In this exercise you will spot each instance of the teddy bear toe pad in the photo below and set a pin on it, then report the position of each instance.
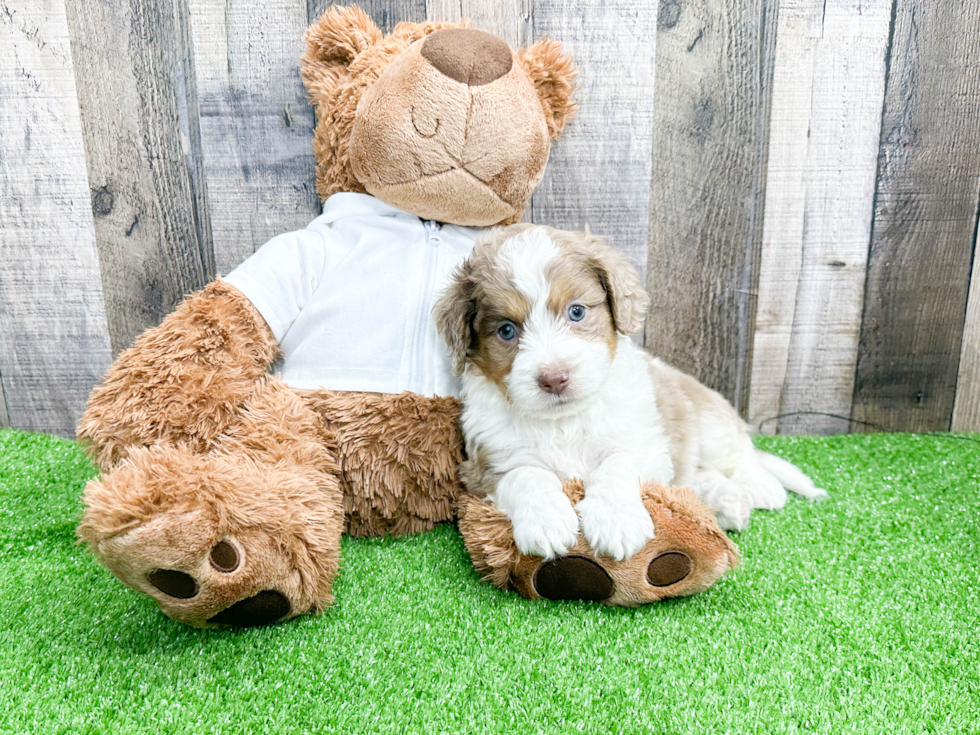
(669, 568)
(265, 607)
(573, 578)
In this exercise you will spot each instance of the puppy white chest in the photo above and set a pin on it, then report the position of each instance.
(621, 419)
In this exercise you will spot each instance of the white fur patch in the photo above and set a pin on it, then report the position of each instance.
(524, 258)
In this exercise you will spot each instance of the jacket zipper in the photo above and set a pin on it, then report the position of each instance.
(432, 241)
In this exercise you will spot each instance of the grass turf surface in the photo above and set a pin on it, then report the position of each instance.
(858, 614)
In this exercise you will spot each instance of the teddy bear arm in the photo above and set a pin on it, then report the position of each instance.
(183, 381)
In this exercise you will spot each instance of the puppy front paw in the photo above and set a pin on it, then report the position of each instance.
(614, 526)
(546, 529)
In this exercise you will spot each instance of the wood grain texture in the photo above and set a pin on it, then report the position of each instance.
(826, 124)
(132, 92)
(4, 416)
(506, 19)
(54, 341)
(966, 409)
(925, 220)
(256, 125)
(709, 138)
(386, 13)
(599, 171)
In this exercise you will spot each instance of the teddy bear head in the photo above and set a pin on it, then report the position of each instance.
(440, 120)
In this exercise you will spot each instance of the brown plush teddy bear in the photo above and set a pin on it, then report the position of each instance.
(225, 489)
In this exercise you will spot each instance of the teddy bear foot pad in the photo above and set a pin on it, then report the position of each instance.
(580, 578)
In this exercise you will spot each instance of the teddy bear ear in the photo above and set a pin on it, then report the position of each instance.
(553, 74)
(332, 43)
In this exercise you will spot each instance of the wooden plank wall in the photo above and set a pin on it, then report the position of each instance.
(798, 180)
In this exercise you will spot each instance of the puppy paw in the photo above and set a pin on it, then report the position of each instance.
(761, 489)
(731, 504)
(546, 529)
(733, 516)
(613, 526)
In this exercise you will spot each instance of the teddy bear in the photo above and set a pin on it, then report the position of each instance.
(306, 394)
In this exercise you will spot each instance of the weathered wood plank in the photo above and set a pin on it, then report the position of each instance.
(134, 117)
(599, 172)
(256, 124)
(385, 13)
(966, 409)
(4, 416)
(709, 137)
(506, 19)
(54, 341)
(820, 202)
(925, 218)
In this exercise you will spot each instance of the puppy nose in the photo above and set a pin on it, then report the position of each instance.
(467, 55)
(553, 381)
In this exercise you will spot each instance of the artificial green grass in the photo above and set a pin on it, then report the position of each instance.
(858, 614)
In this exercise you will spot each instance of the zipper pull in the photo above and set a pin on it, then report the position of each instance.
(431, 232)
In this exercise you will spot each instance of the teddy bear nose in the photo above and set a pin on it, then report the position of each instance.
(467, 55)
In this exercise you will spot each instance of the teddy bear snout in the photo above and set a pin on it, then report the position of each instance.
(468, 55)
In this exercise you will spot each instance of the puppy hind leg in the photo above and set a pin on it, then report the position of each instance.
(762, 489)
(729, 501)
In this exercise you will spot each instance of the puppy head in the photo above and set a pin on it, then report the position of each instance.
(537, 312)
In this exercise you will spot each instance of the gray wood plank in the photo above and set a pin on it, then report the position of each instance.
(54, 341)
(506, 19)
(966, 408)
(709, 141)
(132, 92)
(385, 13)
(599, 171)
(256, 124)
(4, 416)
(925, 218)
(826, 122)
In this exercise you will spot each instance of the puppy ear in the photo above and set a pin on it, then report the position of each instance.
(332, 43)
(627, 298)
(553, 75)
(453, 315)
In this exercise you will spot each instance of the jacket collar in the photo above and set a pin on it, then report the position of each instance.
(352, 204)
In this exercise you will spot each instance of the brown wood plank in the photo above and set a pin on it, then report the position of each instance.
(709, 140)
(599, 171)
(54, 341)
(256, 124)
(925, 218)
(154, 246)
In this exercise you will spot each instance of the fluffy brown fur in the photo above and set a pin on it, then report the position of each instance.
(268, 486)
(684, 526)
(182, 382)
(398, 457)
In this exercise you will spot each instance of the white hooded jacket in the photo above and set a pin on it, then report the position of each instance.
(349, 298)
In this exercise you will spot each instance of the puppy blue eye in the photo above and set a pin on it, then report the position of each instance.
(576, 312)
(507, 331)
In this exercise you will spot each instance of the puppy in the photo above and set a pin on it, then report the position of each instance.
(537, 322)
